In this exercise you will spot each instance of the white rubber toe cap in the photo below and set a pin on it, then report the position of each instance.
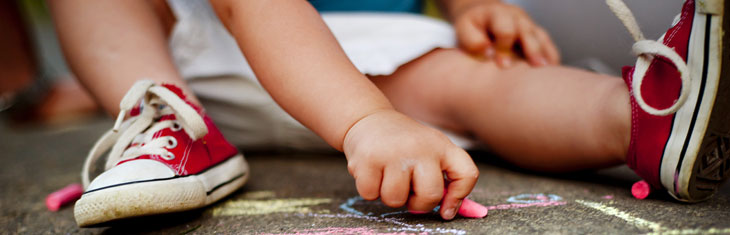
(131, 171)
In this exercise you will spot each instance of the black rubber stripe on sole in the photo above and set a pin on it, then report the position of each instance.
(161, 179)
(224, 183)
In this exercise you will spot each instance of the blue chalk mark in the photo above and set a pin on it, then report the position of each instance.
(436, 210)
(347, 206)
(534, 198)
(393, 213)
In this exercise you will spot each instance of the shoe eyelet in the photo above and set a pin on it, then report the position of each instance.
(171, 143)
(176, 127)
(168, 156)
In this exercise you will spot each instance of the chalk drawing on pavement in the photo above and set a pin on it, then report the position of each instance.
(268, 206)
(654, 227)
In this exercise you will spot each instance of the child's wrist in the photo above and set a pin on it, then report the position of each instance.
(353, 133)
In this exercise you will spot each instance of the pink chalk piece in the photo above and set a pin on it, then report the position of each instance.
(609, 197)
(641, 189)
(66, 195)
(472, 209)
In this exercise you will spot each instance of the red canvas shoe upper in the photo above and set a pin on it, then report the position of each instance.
(164, 128)
(660, 89)
(190, 156)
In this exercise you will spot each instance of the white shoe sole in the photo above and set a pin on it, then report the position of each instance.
(160, 196)
(695, 161)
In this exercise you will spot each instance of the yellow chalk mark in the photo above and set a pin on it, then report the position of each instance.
(258, 194)
(656, 228)
(636, 221)
(695, 231)
(260, 207)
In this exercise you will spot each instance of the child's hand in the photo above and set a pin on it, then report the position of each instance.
(393, 157)
(492, 28)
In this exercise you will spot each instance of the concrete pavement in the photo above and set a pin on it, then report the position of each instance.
(313, 194)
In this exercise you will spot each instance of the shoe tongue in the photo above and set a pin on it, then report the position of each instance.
(175, 90)
(179, 93)
(135, 111)
(167, 117)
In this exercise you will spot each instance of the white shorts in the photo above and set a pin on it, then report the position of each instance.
(209, 58)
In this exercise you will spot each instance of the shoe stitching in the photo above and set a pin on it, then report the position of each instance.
(634, 122)
(184, 162)
(676, 28)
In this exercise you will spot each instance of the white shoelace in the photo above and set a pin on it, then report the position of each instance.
(646, 50)
(156, 101)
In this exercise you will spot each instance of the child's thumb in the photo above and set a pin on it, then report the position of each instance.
(462, 175)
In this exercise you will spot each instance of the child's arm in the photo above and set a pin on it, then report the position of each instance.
(492, 27)
(301, 65)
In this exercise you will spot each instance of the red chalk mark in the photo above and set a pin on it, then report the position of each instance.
(472, 209)
(68, 194)
(641, 189)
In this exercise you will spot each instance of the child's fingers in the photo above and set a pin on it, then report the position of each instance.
(428, 188)
(367, 182)
(549, 49)
(472, 35)
(396, 185)
(462, 174)
(503, 27)
(531, 47)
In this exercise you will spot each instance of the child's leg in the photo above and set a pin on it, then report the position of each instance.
(548, 118)
(110, 46)
(126, 37)
(553, 118)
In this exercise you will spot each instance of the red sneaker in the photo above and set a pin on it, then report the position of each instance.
(167, 157)
(680, 132)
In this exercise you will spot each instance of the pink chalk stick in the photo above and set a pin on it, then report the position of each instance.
(469, 209)
(641, 189)
(64, 196)
(472, 209)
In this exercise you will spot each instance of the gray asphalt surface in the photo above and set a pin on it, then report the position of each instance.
(313, 194)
